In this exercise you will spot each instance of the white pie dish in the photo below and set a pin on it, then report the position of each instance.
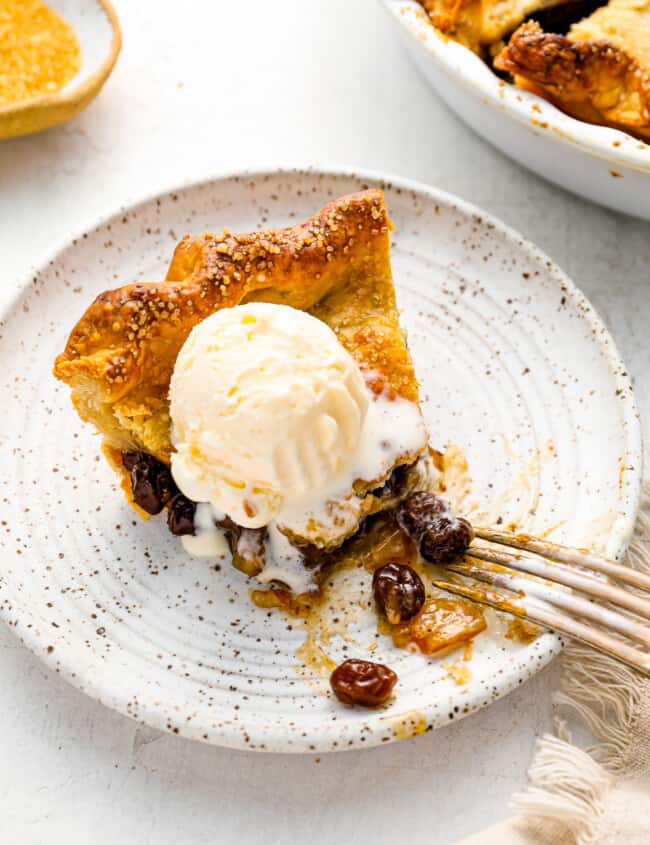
(601, 164)
(115, 606)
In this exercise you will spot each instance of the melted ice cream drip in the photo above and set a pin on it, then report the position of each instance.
(392, 428)
(208, 540)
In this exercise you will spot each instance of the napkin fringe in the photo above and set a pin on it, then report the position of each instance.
(606, 698)
(604, 695)
(569, 785)
(566, 786)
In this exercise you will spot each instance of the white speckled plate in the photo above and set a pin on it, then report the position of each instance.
(516, 369)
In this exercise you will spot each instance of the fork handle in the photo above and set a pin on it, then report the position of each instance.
(565, 554)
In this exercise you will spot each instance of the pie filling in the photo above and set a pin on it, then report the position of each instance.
(590, 58)
(267, 553)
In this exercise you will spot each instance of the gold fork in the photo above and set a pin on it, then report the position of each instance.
(571, 591)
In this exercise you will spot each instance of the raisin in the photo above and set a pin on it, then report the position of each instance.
(180, 519)
(418, 511)
(398, 591)
(151, 481)
(143, 486)
(446, 542)
(165, 485)
(129, 459)
(362, 682)
(440, 534)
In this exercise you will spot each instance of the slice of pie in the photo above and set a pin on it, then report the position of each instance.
(120, 357)
(599, 72)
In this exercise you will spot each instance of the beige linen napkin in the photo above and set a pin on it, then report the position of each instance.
(599, 795)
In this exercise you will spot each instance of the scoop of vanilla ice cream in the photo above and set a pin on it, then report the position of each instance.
(266, 406)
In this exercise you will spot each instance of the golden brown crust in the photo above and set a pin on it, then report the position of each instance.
(120, 355)
(591, 80)
(478, 23)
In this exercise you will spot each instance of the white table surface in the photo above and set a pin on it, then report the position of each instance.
(212, 85)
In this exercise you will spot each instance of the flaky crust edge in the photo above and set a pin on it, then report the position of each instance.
(580, 77)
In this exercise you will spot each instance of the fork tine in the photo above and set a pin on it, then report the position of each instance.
(535, 611)
(565, 554)
(556, 596)
(565, 575)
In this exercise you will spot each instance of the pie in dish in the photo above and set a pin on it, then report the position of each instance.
(599, 72)
(590, 59)
(264, 394)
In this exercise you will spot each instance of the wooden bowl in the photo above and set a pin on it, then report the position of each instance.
(97, 28)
